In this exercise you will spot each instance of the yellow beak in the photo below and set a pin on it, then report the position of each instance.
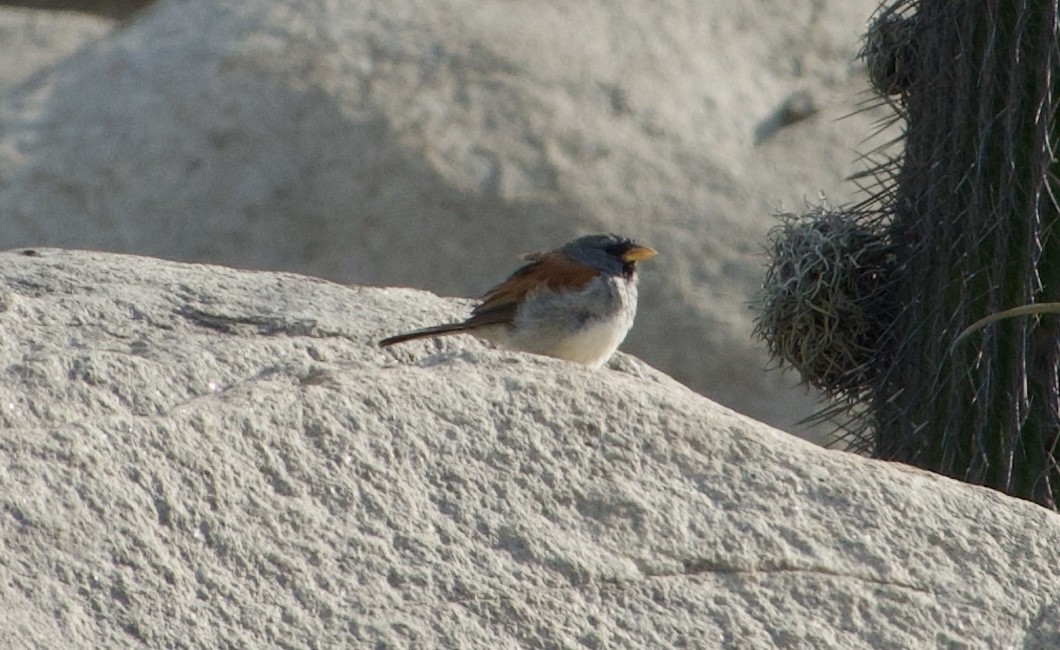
(637, 253)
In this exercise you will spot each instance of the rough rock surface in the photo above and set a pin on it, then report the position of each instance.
(193, 456)
(424, 144)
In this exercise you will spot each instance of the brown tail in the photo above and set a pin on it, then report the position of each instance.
(437, 330)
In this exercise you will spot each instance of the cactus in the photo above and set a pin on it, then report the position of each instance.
(824, 301)
(971, 215)
(975, 227)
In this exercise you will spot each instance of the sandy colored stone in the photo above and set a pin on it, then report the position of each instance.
(419, 144)
(32, 41)
(194, 456)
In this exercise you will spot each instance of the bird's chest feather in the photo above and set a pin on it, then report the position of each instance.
(586, 326)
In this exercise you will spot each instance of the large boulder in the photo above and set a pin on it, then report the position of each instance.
(194, 456)
(406, 143)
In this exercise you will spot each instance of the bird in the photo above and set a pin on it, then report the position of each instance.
(576, 302)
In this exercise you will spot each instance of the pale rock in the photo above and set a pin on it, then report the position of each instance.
(427, 144)
(194, 456)
(31, 41)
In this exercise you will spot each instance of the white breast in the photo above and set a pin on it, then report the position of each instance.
(585, 326)
(593, 344)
